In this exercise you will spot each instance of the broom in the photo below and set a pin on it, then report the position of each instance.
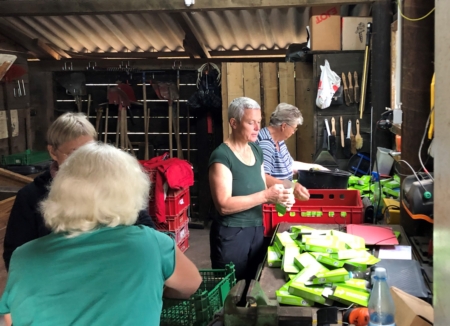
(358, 138)
(352, 140)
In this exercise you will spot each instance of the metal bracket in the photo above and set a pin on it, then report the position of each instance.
(175, 65)
(68, 67)
(94, 65)
(20, 90)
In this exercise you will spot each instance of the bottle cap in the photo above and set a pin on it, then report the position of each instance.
(380, 272)
(375, 176)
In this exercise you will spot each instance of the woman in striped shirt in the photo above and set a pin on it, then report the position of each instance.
(278, 163)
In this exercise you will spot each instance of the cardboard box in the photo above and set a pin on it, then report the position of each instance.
(325, 28)
(354, 30)
(411, 311)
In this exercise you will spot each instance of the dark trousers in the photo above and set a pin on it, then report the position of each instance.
(244, 246)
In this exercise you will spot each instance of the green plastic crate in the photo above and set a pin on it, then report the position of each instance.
(200, 308)
(28, 157)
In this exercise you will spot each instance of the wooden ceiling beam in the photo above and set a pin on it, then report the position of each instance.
(175, 55)
(10, 8)
(193, 36)
(24, 41)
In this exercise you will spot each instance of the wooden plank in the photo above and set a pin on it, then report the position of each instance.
(252, 81)
(8, 178)
(305, 101)
(270, 87)
(224, 91)
(95, 7)
(287, 95)
(235, 84)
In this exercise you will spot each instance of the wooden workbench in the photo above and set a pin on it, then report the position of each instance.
(271, 279)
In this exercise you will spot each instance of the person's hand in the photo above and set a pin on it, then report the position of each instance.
(278, 194)
(300, 192)
(318, 167)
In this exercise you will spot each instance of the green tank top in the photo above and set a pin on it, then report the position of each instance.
(247, 180)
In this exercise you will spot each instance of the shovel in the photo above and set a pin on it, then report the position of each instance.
(323, 156)
(332, 137)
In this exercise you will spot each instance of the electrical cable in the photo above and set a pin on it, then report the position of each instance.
(415, 174)
(393, 237)
(421, 144)
(386, 210)
(413, 19)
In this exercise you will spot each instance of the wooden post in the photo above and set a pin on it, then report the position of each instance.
(287, 95)
(270, 87)
(304, 100)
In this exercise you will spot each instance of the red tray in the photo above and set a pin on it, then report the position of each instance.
(179, 234)
(176, 201)
(184, 244)
(325, 206)
(173, 223)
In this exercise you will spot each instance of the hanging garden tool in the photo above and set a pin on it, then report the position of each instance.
(352, 140)
(348, 140)
(75, 85)
(342, 132)
(346, 95)
(323, 156)
(146, 115)
(351, 95)
(365, 72)
(118, 97)
(176, 123)
(333, 145)
(169, 92)
(327, 127)
(356, 87)
(358, 138)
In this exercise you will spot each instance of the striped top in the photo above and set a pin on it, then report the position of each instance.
(278, 164)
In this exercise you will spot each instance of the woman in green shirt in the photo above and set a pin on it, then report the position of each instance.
(96, 267)
(238, 188)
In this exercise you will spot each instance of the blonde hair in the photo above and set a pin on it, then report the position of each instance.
(238, 105)
(67, 127)
(286, 113)
(98, 185)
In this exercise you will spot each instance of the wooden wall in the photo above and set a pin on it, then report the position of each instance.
(268, 83)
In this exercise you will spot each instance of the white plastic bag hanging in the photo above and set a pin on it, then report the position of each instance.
(328, 85)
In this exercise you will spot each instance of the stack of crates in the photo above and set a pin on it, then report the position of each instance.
(176, 206)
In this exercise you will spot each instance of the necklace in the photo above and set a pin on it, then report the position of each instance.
(244, 156)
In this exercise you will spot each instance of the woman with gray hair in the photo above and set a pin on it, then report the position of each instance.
(66, 134)
(278, 163)
(96, 268)
(238, 188)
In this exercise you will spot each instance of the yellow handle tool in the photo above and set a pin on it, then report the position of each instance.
(431, 128)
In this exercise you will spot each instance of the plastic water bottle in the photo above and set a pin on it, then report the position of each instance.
(381, 305)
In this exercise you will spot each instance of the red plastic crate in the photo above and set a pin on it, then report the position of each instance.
(173, 223)
(179, 234)
(325, 206)
(176, 201)
(184, 244)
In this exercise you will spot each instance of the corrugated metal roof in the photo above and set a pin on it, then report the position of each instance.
(228, 30)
